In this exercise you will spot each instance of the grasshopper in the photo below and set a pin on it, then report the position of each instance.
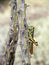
(31, 38)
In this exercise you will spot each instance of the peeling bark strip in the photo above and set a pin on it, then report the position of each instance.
(13, 36)
(23, 28)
